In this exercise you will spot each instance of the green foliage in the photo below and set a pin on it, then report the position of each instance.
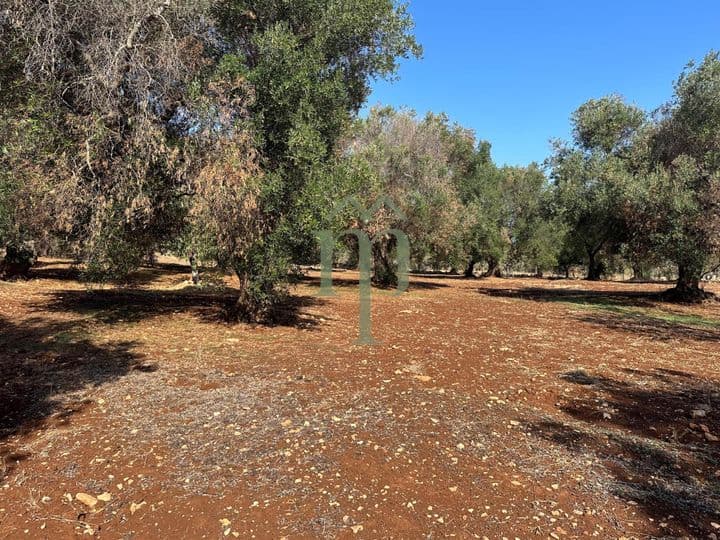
(113, 255)
(19, 258)
(395, 155)
(479, 185)
(6, 207)
(231, 130)
(31, 144)
(536, 236)
(676, 207)
(591, 178)
(458, 205)
(672, 218)
(149, 107)
(309, 63)
(607, 124)
(650, 191)
(509, 215)
(642, 315)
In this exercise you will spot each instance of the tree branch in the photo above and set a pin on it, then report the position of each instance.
(130, 41)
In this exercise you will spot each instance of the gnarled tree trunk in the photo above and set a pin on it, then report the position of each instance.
(595, 267)
(244, 307)
(687, 280)
(494, 269)
(640, 273)
(687, 287)
(384, 270)
(470, 270)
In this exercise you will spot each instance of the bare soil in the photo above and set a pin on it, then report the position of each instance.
(491, 408)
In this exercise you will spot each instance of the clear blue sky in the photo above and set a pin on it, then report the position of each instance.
(515, 70)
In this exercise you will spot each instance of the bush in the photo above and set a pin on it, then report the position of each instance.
(19, 259)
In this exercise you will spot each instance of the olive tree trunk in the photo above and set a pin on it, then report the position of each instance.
(595, 267)
(687, 288)
(494, 269)
(470, 270)
(384, 267)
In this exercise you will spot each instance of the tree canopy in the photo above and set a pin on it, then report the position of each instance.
(230, 129)
(141, 93)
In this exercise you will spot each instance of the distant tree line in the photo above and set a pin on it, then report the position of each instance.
(229, 129)
(631, 189)
(458, 207)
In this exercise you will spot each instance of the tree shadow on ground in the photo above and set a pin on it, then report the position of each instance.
(577, 296)
(653, 328)
(66, 271)
(643, 431)
(352, 282)
(112, 306)
(635, 312)
(42, 363)
(58, 271)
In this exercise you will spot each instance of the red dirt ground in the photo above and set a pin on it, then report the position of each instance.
(492, 408)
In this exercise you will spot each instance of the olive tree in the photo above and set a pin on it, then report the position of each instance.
(590, 176)
(676, 206)
(406, 160)
(132, 83)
